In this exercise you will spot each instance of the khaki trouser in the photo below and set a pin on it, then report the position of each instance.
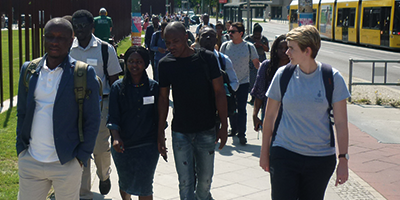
(36, 178)
(101, 155)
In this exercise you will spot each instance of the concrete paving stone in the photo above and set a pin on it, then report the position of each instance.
(262, 183)
(239, 189)
(374, 166)
(233, 177)
(263, 194)
(164, 192)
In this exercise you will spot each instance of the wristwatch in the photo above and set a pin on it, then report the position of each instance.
(344, 156)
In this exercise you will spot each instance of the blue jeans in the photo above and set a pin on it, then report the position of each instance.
(239, 119)
(194, 159)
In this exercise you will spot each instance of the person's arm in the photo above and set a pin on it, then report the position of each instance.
(113, 119)
(268, 127)
(342, 137)
(220, 102)
(234, 82)
(153, 46)
(256, 63)
(265, 46)
(21, 108)
(147, 37)
(256, 108)
(254, 56)
(163, 103)
(113, 66)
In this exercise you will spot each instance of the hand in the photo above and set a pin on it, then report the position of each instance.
(257, 123)
(222, 135)
(258, 43)
(118, 145)
(342, 172)
(162, 149)
(264, 162)
(161, 50)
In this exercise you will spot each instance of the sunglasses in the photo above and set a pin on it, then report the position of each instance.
(81, 25)
(233, 31)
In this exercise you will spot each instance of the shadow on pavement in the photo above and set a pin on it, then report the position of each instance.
(233, 145)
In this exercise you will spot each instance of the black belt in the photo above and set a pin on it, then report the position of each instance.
(105, 96)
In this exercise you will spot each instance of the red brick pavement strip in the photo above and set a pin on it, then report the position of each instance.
(376, 163)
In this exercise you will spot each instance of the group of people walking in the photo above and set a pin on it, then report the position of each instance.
(59, 128)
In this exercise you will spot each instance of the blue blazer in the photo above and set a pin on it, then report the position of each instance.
(65, 113)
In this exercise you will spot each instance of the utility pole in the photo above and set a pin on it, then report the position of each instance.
(248, 18)
(305, 12)
(136, 35)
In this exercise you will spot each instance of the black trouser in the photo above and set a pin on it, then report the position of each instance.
(298, 177)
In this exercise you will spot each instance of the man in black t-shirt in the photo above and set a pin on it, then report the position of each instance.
(198, 92)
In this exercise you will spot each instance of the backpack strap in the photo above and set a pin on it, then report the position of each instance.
(80, 92)
(327, 76)
(104, 53)
(29, 71)
(248, 47)
(284, 82)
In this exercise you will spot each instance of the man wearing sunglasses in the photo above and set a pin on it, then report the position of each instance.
(241, 53)
(88, 48)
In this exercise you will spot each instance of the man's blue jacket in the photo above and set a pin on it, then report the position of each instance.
(65, 113)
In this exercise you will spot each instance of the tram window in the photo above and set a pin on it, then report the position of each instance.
(375, 19)
(371, 18)
(396, 25)
(293, 16)
(366, 18)
(352, 17)
(340, 18)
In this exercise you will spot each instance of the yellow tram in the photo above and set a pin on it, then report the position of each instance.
(365, 22)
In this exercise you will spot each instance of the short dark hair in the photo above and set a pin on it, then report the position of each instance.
(239, 26)
(257, 28)
(164, 24)
(83, 13)
(60, 21)
(219, 24)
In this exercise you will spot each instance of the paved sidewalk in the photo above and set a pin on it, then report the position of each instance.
(237, 174)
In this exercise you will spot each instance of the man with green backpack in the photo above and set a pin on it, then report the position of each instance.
(58, 118)
(102, 56)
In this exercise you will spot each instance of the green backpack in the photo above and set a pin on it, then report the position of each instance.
(79, 87)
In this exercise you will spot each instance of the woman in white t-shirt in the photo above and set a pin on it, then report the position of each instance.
(301, 155)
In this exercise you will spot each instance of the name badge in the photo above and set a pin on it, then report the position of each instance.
(148, 100)
(92, 62)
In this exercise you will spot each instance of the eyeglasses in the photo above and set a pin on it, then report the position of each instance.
(50, 38)
(81, 25)
(233, 31)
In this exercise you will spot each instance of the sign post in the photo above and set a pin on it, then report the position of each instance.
(305, 12)
(136, 30)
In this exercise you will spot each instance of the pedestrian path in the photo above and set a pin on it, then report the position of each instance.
(237, 174)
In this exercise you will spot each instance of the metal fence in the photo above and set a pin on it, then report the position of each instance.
(32, 15)
(374, 69)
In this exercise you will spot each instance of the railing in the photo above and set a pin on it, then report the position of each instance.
(32, 15)
(373, 62)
